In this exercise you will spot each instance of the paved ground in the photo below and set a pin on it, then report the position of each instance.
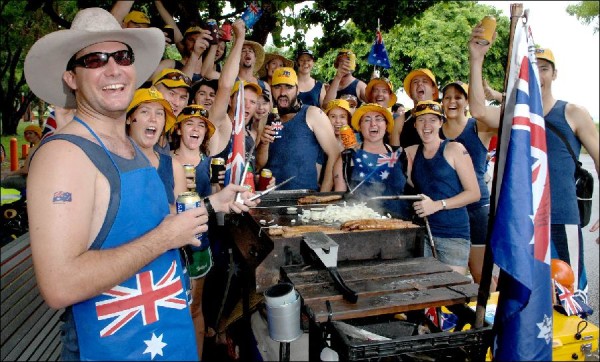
(590, 246)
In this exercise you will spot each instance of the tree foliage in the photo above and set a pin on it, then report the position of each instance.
(586, 12)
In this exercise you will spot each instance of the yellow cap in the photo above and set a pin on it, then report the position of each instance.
(460, 85)
(372, 107)
(137, 17)
(428, 107)
(33, 128)
(252, 85)
(284, 75)
(197, 111)
(192, 30)
(148, 95)
(546, 54)
(172, 78)
(387, 83)
(341, 103)
(425, 72)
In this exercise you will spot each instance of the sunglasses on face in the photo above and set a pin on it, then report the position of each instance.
(100, 59)
(433, 107)
(176, 76)
(193, 111)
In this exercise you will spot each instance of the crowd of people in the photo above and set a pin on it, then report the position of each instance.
(101, 226)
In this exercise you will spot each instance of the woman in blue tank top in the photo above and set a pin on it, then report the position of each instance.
(148, 116)
(443, 173)
(475, 136)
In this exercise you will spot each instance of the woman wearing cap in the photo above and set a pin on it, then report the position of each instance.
(311, 91)
(381, 91)
(475, 136)
(17, 179)
(442, 172)
(149, 115)
(194, 129)
(374, 163)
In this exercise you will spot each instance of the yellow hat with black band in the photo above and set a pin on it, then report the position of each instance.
(172, 78)
(197, 111)
(149, 95)
(372, 107)
(428, 107)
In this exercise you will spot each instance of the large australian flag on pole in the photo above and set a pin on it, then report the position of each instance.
(378, 55)
(521, 235)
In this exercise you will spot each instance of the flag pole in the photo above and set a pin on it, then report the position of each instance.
(516, 14)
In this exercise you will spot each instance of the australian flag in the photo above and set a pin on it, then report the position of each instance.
(521, 234)
(251, 15)
(571, 303)
(378, 55)
(234, 168)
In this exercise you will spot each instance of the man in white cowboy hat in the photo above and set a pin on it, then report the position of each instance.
(305, 135)
(104, 245)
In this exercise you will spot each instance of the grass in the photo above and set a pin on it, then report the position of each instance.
(18, 136)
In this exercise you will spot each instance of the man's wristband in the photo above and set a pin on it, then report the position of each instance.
(209, 207)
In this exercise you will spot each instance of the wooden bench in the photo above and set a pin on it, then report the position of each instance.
(30, 329)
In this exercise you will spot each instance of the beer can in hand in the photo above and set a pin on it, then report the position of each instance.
(186, 201)
(263, 179)
(489, 26)
(212, 25)
(348, 137)
(190, 174)
(274, 121)
(352, 58)
(217, 165)
(226, 31)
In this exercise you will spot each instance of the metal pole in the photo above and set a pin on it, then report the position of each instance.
(284, 351)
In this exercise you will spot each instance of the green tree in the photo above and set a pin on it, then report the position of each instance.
(586, 12)
(435, 39)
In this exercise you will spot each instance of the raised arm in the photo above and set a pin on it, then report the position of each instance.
(168, 19)
(342, 69)
(477, 106)
(120, 9)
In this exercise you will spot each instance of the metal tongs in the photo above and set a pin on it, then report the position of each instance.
(263, 193)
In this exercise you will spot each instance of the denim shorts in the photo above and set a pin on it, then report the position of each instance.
(450, 251)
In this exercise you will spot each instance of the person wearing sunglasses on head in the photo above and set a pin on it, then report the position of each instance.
(442, 172)
(475, 136)
(193, 131)
(577, 128)
(101, 232)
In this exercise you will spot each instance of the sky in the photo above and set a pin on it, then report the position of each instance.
(575, 47)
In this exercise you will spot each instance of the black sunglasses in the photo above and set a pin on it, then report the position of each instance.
(433, 107)
(194, 111)
(176, 76)
(100, 59)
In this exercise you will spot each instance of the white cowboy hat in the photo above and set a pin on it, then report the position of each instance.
(48, 57)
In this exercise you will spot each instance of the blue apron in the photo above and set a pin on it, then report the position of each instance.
(146, 317)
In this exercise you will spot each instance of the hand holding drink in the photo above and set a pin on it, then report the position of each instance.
(488, 23)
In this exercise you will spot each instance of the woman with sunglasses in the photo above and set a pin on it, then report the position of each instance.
(442, 172)
(475, 136)
(373, 169)
(193, 130)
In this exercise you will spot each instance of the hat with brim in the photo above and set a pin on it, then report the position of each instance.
(338, 103)
(212, 83)
(152, 95)
(252, 85)
(546, 54)
(47, 59)
(284, 75)
(259, 53)
(464, 87)
(372, 107)
(428, 107)
(270, 56)
(305, 51)
(192, 30)
(385, 82)
(136, 17)
(417, 72)
(176, 78)
(33, 128)
(183, 117)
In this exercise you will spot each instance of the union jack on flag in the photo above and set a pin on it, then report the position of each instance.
(390, 159)
(572, 303)
(520, 239)
(145, 299)
(251, 15)
(448, 320)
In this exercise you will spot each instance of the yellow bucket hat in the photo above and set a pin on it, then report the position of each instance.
(252, 85)
(137, 17)
(341, 103)
(428, 107)
(386, 82)
(425, 72)
(197, 111)
(172, 78)
(33, 128)
(148, 95)
(372, 107)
